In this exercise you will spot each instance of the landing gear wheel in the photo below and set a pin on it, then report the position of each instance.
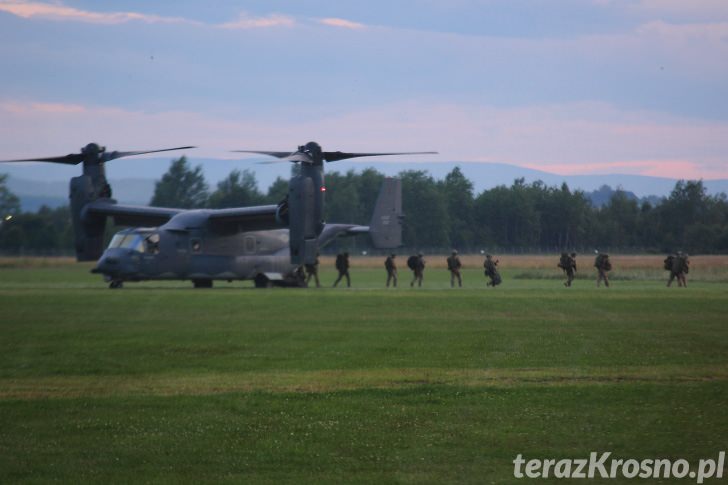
(300, 280)
(116, 284)
(202, 283)
(262, 281)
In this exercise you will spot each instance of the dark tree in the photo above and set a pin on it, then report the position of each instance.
(181, 187)
(618, 222)
(277, 191)
(425, 211)
(507, 216)
(458, 193)
(239, 189)
(342, 198)
(47, 231)
(9, 202)
(369, 183)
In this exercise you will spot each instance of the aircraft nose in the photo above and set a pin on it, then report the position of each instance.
(106, 264)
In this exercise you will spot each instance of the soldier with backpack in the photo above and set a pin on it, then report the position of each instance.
(342, 266)
(391, 266)
(678, 265)
(567, 263)
(454, 265)
(417, 265)
(603, 266)
(491, 271)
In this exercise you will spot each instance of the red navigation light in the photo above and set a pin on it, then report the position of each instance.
(323, 188)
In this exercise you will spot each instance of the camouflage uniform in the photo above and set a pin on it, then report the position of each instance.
(669, 264)
(391, 267)
(603, 266)
(418, 270)
(568, 264)
(678, 265)
(454, 265)
(312, 272)
(685, 268)
(491, 271)
(342, 266)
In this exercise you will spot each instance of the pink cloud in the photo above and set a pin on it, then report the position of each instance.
(60, 12)
(676, 169)
(714, 31)
(578, 138)
(57, 11)
(37, 108)
(706, 8)
(246, 22)
(342, 23)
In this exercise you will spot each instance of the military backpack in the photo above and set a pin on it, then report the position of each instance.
(412, 262)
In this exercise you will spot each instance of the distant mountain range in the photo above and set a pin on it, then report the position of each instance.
(36, 193)
(133, 179)
(603, 195)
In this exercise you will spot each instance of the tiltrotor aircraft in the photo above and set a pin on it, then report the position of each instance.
(267, 244)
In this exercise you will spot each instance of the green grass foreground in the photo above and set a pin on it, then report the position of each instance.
(160, 382)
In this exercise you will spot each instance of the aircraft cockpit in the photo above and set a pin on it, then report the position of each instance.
(139, 240)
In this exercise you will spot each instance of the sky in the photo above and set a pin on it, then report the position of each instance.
(565, 86)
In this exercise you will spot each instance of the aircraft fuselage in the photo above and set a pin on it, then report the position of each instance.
(139, 254)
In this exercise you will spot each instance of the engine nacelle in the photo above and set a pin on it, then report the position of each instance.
(88, 230)
(305, 213)
(282, 218)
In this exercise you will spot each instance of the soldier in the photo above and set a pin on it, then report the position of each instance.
(417, 265)
(491, 271)
(677, 264)
(454, 265)
(603, 266)
(391, 266)
(668, 264)
(685, 268)
(567, 262)
(342, 266)
(312, 272)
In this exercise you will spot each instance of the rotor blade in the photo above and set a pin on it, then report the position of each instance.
(70, 159)
(272, 154)
(299, 157)
(282, 156)
(336, 156)
(114, 155)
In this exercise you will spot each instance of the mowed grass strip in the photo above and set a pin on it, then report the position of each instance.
(345, 380)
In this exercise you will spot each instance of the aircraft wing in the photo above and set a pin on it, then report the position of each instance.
(255, 218)
(130, 215)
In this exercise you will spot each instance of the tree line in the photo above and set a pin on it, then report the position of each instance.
(438, 214)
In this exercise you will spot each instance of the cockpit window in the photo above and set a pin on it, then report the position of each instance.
(117, 240)
(129, 241)
(151, 242)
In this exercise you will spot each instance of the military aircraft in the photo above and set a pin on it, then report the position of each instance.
(267, 244)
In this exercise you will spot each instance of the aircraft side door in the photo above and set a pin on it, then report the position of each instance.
(250, 244)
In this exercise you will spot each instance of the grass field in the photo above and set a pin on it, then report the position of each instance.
(160, 382)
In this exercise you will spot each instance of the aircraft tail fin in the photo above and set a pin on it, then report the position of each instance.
(385, 227)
